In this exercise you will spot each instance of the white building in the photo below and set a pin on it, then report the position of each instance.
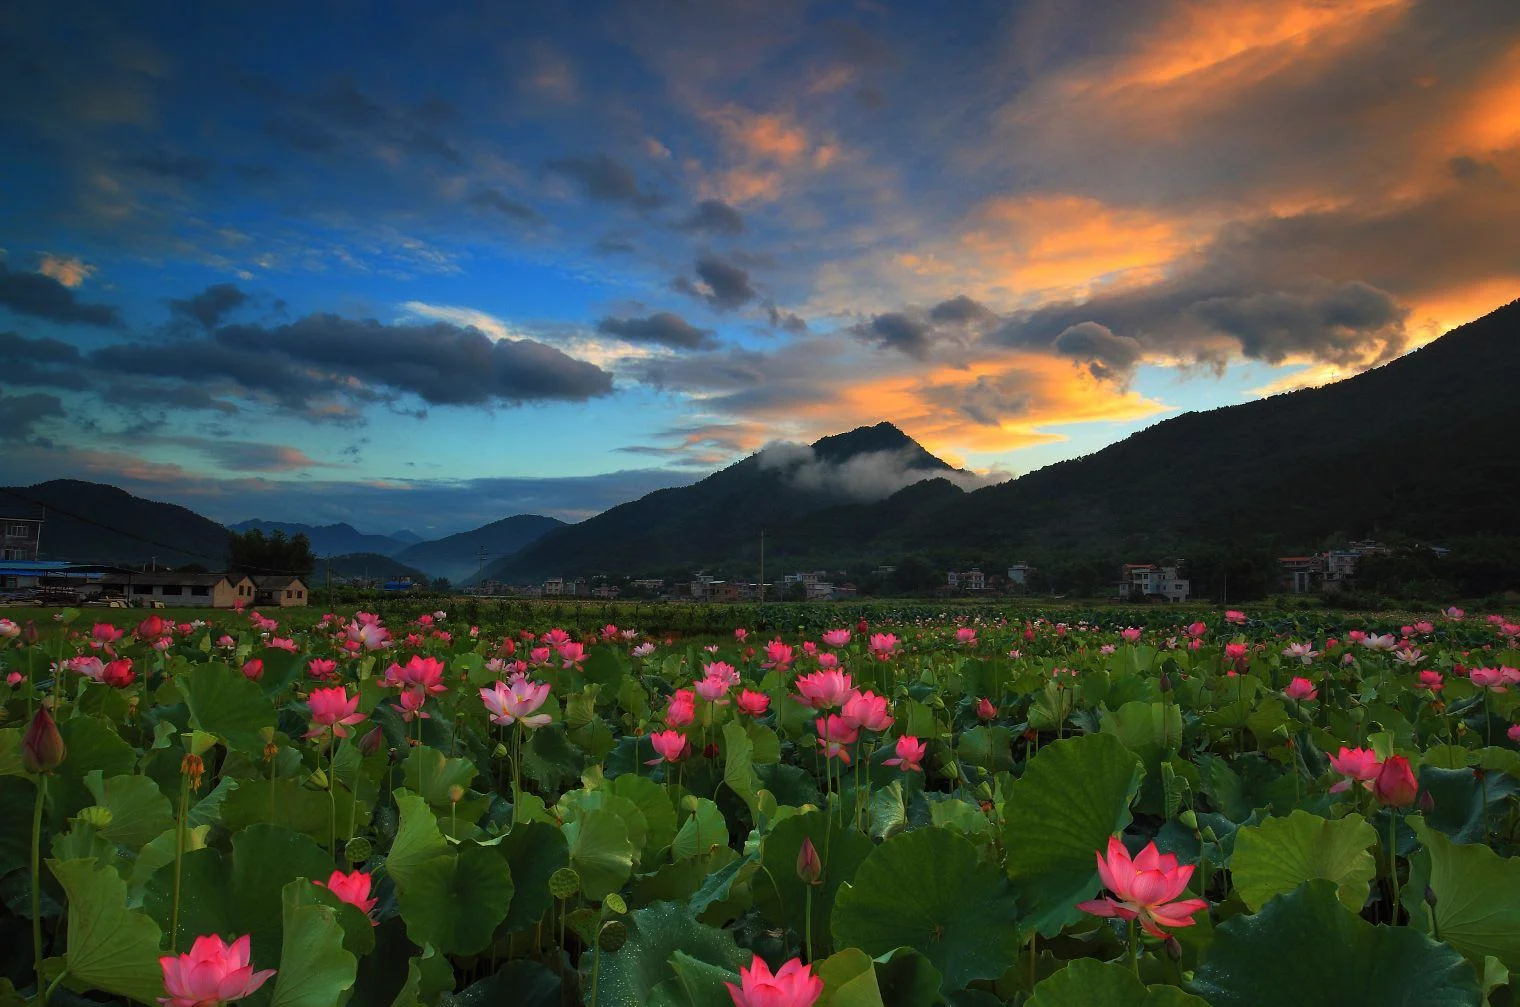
(1144, 580)
(1018, 573)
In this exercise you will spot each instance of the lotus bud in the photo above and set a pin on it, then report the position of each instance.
(1427, 802)
(1173, 948)
(1166, 682)
(42, 747)
(1430, 896)
(370, 743)
(29, 634)
(809, 867)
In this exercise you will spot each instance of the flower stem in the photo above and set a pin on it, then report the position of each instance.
(1134, 947)
(37, 876)
(52, 987)
(179, 858)
(1393, 867)
(332, 797)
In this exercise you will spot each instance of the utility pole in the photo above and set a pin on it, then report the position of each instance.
(762, 566)
(480, 564)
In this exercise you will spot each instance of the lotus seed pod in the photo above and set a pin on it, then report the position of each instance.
(614, 902)
(358, 850)
(1189, 818)
(564, 883)
(613, 936)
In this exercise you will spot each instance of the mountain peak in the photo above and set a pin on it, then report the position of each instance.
(884, 436)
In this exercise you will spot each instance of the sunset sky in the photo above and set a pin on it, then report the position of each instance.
(424, 268)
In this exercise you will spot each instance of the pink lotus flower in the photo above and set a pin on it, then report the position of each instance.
(515, 703)
(882, 646)
(682, 709)
(866, 710)
(555, 637)
(1379, 641)
(1195, 630)
(793, 985)
(368, 633)
(835, 735)
(213, 973)
(985, 710)
(253, 669)
(118, 674)
(333, 708)
(1130, 635)
(1236, 652)
(1357, 765)
(1492, 679)
(152, 628)
(723, 671)
(713, 689)
(9, 629)
(539, 656)
(824, 690)
(352, 888)
(1234, 616)
(1395, 785)
(1145, 888)
(283, 643)
(909, 754)
(778, 655)
(105, 632)
(1455, 614)
(753, 703)
(88, 666)
(571, 654)
(420, 672)
(1431, 680)
(643, 650)
(966, 636)
(672, 746)
(837, 637)
(321, 668)
(741, 634)
(411, 706)
(828, 660)
(1301, 689)
(1304, 653)
(1513, 733)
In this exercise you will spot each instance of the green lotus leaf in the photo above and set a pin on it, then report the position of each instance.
(1087, 982)
(655, 933)
(110, 947)
(701, 832)
(1310, 951)
(1058, 815)
(314, 967)
(225, 703)
(654, 802)
(455, 902)
(139, 810)
(1477, 892)
(1278, 855)
(600, 852)
(266, 858)
(930, 890)
(417, 839)
(520, 982)
(430, 975)
(534, 851)
(780, 894)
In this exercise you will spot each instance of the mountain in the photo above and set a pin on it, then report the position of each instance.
(1418, 448)
(95, 523)
(407, 537)
(459, 557)
(328, 539)
(721, 517)
(369, 565)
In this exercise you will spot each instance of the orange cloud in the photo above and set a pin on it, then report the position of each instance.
(67, 270)
(766, 150)
(772, 136)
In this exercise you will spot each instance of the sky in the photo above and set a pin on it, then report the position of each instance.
(424, 268)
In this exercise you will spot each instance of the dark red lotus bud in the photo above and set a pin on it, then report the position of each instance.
(862, 626)
(1427, 802)
(809, 867)
(42, 747)
(1166, 682)
(29, 634)
(370, 743)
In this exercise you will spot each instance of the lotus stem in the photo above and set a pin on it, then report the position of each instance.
(1134, 947)
(37, 876)
(1393, 866)
(807, 922)
(53, 986)
(179, 858)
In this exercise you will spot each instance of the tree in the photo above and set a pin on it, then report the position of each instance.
(253, 553)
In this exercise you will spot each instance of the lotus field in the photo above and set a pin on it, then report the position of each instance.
(1235, 811)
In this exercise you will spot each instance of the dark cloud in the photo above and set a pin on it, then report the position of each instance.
(318, 361)
(721, 284)
(961, 310)
(175, 167)
(44, 297)
(614, 246)
(211, 305)
(493, 199)
(20, 413)
(898, 331)
(138, 395)
(663, 328)
(785, 320)
(44, 363)
(249, 456)
(606, 179)
(1107, 356)
(714, 217)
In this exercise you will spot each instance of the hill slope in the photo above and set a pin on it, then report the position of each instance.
(96, 523)
(458, 557)
(328, 539)
(720, 517)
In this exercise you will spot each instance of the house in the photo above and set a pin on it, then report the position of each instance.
(181, 590)
(1301, 574)
(1327, 571)
(281, 591)
(20, 531)
(1143, 581)
(1018, 573)
(554, 587)
(967, 580)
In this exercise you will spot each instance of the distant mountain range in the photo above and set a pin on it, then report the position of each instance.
(330, 539)
(1421, 447)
